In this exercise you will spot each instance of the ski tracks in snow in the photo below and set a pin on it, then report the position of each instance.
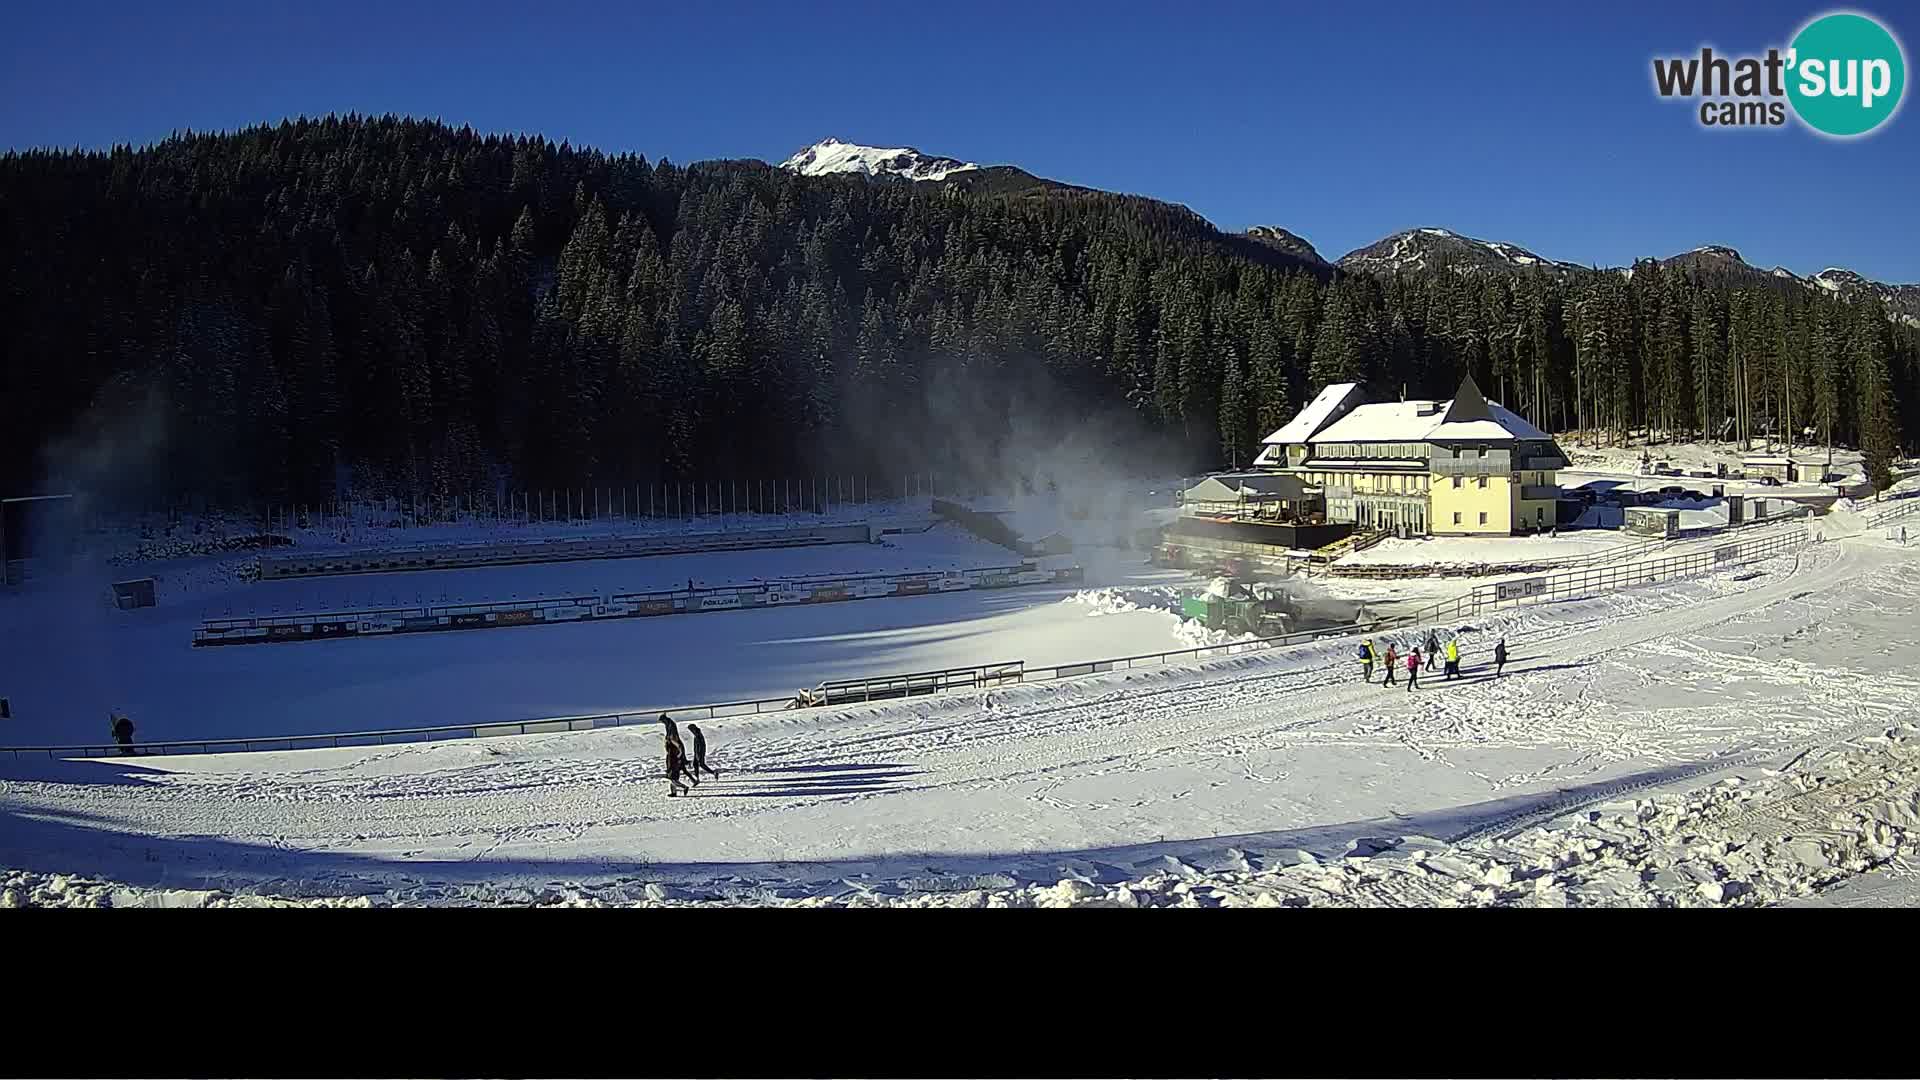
(1695, 675)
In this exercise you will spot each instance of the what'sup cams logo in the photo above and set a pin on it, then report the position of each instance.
(1842, 76)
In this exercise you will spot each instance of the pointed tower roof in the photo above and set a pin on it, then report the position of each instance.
(1468, 404)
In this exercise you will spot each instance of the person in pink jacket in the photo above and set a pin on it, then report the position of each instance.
(1413, 668)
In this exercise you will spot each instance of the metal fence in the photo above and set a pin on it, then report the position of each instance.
(824, 494)
(1907, 507)
(1562, 586)
(1592, 581)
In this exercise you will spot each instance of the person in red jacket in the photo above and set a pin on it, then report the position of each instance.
(1413, 668)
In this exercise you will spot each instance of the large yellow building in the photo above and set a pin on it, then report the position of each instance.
(1420, 468)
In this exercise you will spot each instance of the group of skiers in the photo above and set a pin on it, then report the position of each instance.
(1435, 652)
(678, 764)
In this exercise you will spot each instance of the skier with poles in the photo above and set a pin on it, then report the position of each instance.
(700, 755)
(1389, 661)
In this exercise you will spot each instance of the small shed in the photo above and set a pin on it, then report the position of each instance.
(1784, 469)
(137, 593)
(1237, 492)
(1651, 521)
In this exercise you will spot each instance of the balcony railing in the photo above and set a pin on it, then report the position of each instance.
(1491, 465)
(1540, 491)
(1543, 464)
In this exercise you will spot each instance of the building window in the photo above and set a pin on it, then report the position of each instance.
(1483, 517)
(1456, 481)
(1539, 513)
(1456, 517)
(1480, 481)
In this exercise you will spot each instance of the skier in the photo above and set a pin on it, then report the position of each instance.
(1453, 658)
(1413, 668)
(122, 728)
(700, 755)
(1389, 659)
(1499, 657)
(676, 758)
(1366, 660)
(1903, 536)
(1433, 649)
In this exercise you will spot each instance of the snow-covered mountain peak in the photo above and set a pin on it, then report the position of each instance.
(1287, 242)
(834, 156)
(1417, 249)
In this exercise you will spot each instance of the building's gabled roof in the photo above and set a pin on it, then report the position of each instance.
(1468, 404)
(1388, 421)
(1469, 417)
(1232, 487)
(1325, 407)
(1501, 423)
(1268, 485)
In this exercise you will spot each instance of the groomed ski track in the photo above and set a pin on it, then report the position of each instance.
(1654, 688)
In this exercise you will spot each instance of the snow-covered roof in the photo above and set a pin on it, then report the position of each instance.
(1422, 421)
(1232, 487)
(1504, 424)
(1312, 418)
(1388, 421)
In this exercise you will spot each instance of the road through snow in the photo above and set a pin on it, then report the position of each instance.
(1269, 752)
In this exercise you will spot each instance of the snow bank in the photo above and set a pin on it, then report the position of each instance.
(1164, 602)
(1826, 819)
(1485, 550)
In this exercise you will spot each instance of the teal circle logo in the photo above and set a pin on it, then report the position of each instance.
(1845, 74)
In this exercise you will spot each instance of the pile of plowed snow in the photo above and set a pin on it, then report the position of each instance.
(1163, 599)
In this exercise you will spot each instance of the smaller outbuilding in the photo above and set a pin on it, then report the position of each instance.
(1784, 469)
(1251, 494)
(1651, 521)
(137, 593)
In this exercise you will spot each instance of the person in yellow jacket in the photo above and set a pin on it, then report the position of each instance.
(1366, 660)
(1453, 658)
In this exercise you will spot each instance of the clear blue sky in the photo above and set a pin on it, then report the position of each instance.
(1533, 123)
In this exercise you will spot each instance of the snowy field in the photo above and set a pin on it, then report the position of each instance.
(1249, 780)
(943, 547)
(72, 659)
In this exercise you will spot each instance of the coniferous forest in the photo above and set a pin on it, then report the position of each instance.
(396, 307)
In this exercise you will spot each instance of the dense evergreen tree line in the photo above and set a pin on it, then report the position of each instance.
(408, 308)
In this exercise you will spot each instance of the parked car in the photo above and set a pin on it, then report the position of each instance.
(1769, 481)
